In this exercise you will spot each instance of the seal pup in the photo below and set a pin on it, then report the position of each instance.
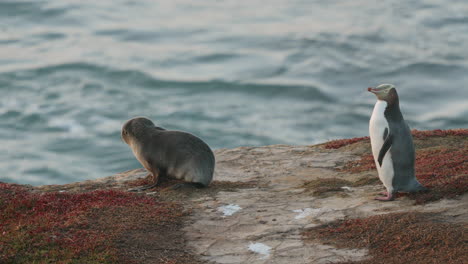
(162, 152)
(392, 144)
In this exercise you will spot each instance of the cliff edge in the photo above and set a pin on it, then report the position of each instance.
(271, 204)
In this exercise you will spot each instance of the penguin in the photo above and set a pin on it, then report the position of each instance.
(392, 144)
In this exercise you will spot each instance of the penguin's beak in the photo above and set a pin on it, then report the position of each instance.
(372, 90)
(378, 92)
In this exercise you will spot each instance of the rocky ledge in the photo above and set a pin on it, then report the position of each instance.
(272, 204)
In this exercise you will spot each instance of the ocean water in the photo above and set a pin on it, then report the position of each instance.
(235, 73)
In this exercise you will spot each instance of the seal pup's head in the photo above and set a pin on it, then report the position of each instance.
(135, 128)
(385, 92)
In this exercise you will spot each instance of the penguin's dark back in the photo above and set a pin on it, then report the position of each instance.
(403, 154)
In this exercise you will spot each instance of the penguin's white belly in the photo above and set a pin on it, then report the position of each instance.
(377, 125)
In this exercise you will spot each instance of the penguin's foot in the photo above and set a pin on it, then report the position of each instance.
(384, 193)
(388, 197)
(142, 188)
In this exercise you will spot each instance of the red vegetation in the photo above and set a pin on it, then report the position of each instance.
(366, 163)
(335, 144)
(444, 171)
(72, 227)
(439, 133)
(399, 238)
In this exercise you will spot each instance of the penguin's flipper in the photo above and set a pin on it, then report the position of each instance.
(385, 133)
(385, 147)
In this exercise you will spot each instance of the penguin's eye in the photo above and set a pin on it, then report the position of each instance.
(386, 91)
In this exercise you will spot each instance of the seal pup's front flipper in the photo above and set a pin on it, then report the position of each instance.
(155, 176)
(385, 147)
(143, 188)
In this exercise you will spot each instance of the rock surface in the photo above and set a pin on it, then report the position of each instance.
(275, 213)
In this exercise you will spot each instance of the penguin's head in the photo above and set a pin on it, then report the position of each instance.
(135, 127)
(385, 92)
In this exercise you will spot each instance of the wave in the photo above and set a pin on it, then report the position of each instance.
(447, 22)
(36, 12)
(428, 68)
(141, 79)
(146, 36)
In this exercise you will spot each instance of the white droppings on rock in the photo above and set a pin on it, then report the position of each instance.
(261, 249)
(303, 213)
(229, 209)
(346, 188)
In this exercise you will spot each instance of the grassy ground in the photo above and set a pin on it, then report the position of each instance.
(398, 238)
(102, 226)
(97, 225)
